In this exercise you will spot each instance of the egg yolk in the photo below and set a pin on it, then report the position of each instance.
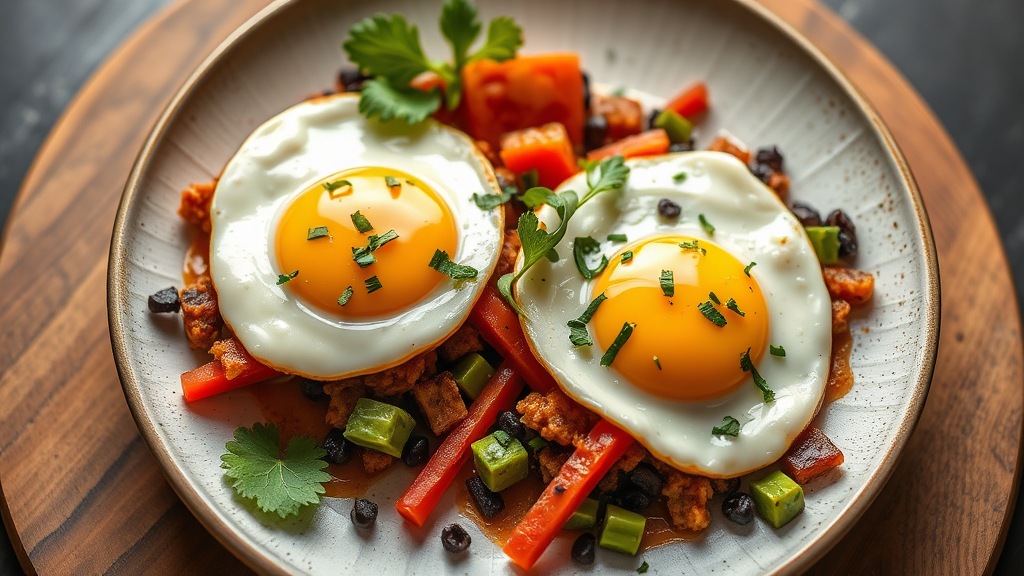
(675, 352)
(326, 266)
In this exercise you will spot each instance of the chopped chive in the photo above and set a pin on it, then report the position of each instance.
(657, 362)
(372, 284)
(620, 340)
(643, 568)
(392, 182)
(578, 334)
(777, 351)
(668, 285)
(410, 182)
(363, 256)
(318, 232)
(282, 278)
(708, 228)
(346, 296)
(748, 366)
(443, 264)
(581, 248)
(732, 305)
(693, 245)
(361, 223)
(714, 298)
(711, 313)
(730, 427)
(617, 238)
(627, 256)
(680, 176)
(747, 269)
(375, 242)
(332, 186)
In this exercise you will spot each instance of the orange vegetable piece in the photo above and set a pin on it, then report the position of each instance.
(546, 149)
(690, 102)
(499, 326)
(522, 93)
(644, 144)
(724, 144)
(811, 455)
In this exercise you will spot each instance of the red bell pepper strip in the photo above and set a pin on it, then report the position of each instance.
(211, 379)
(576, 479)
(499, 326)
(644, 144)
(499, 394)
(691, 101)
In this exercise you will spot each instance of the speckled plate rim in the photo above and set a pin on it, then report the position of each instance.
(256, 558)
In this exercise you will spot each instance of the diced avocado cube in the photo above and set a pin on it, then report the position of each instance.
(537, 443)
(825, 240)
(500, 460)
(379, 426)
(622, 530)
(472, 373)
(584, 517)
(677, 127)
(778, 498)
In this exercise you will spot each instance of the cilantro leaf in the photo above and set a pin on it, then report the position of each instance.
(578, 334)
(491, 201)
(762, 385)
(732, 305)
(386, 46)
(730, 427)
(443, 264)
(504, 38)
(281, 484)
(777, 351)
(282, 278)
(379, 98)
(392, 182)
(581, 248)
(505, 288)
(711, 313)
(617, 344)
(459, 27)
(535, 196)
(611, 174)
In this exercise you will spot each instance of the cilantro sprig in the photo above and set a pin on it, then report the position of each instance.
(282, 484)
(388, 48)
(730, 427)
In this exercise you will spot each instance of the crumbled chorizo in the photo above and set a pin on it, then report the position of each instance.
(232, 355)
(688, 500)
(200, 313)
(624, 116)
(344, 394)
(556, 417)
(398, 379)
(550, 460)
(840, 311)
(509, 254)
(374, 461)
(779, 182)
(854, 286)
(634, 455)
(440, 402)
(724, 143)
(465, 340)
(195, 204)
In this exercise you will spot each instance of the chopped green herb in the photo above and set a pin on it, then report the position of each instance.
(491, 201)
(680, 176)
(777, 351)
(643, 568)
(318, 232)
(332, 186)
(372, 284)
(443, 264)
(363, 256)
(668, 284)
(581, 248)
(617, 238)
(280, 484)
(619, 92)
(552, 255)
(620, 340)
(578, 334)
(732, 305)
(708, 228)
(711, 313)
(282, 278)
(392, 182)
(382, 99)
(747, 269)
(692, 245)
(730, 427)
(748, 366)
(714, 298)
(361, 223)
(657, 362)
(626, 256)
(529, 180)
(410, 182)
(346, 296)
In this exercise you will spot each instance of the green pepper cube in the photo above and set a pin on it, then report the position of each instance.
(622, 530)
(825, 240)
(472, 373)
(379, 426)
(537, 443)
(778, 498)
(500, 460)
(677, 127)
(584, 517)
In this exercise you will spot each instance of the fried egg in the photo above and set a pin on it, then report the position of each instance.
(744, 277)
(306, 270)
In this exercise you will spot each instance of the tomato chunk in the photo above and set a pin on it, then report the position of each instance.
(546, 149)
(811, 455)
(690, 102)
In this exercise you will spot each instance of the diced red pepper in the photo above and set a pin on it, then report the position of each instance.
(576, 479)
(499, 394)
(690, 102)
(811, 455)
(644, 144)
(210, 379)
(546, 149)
(499, 326)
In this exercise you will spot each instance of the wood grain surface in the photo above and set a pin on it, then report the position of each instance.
(83, 495)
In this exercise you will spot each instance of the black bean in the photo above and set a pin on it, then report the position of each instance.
(738, 508)
(652, 117)
(645, 478)
(595, 131)
(313, 390)
(633, 499)
(668, 208)
(488, 503)
(732, 485)
(847, 232)
(364, 513)
(763, 172)
(415, 451)
(352, 79)
(509, 423)
(682, 146)
(769, 157)
(165, 301)
(584, 548)
(586, 91)
(455, 539)
(339, 449)
(806, 214)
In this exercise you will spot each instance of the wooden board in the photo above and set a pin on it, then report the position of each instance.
(82, 494)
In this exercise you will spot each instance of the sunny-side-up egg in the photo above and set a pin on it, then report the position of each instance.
(296, 203)
(679, 374)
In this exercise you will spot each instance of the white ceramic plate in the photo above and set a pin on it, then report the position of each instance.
(767, 85)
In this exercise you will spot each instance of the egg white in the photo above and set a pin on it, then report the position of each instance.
(283, 157)
(752, 224)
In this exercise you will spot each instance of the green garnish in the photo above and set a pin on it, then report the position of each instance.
(491, 201)
(747, 269)
(372, 284)
(657, 362)
(279, 484)
(777, 351)
(410, 182)
(693, 245)
(282, 278)
(619, 92)
(643, 568)
(552, 255)
(711, 313)
(626, 256)
(732, 305)
(680, 176)
(578, 334)
(708, 228)
(364, 256)
(392, 182)
(318, 232)
(714, 298)
(529, 179)
(388, 48)
(581, 248)
(748, 366)
(617, 238)
(346, 296)
(332, 186)
(361, 223)
(620, 340)
(535, 196)
(443, 264)
(668, 285)
(730, 427)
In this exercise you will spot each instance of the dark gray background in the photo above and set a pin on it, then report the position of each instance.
(966, 57)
